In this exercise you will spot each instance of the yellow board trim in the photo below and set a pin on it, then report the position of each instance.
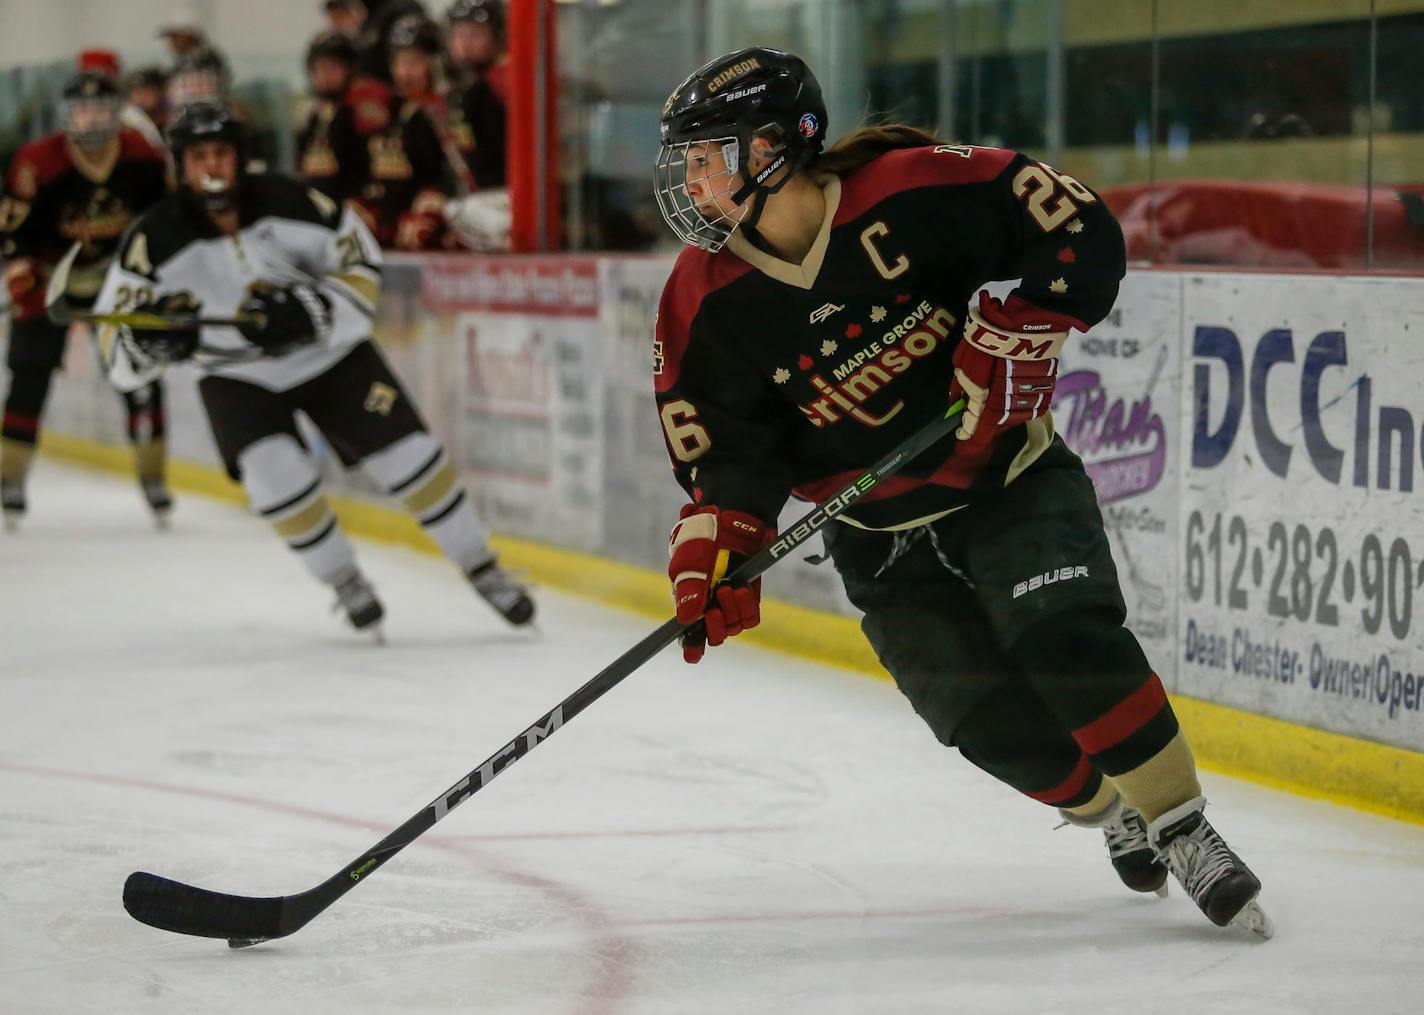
(1309, 762)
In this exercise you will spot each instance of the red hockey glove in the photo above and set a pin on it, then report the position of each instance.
(25, 279)
(706, 544)
(1006, 366)
(418, 232)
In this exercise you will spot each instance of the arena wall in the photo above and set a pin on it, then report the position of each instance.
(1257, 442)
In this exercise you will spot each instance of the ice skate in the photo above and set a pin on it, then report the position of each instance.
(160, 501)
(1216, 879)
(498, 588)
(12, 504)
(1132, 855)
(355, 595)
(1130, 852)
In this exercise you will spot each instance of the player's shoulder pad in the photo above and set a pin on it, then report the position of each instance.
(695, 276)
(156, 237)
(35, 164)
(904, 169)
(280, 196)
(133, 146)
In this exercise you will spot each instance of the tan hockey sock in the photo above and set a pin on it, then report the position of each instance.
(1165, 780)
(1097, 806)
(151, 458)
(15, 459)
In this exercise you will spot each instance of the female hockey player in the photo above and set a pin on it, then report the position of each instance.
(823, 315)
(305, 271)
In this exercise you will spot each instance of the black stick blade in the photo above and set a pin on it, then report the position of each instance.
(184, 909)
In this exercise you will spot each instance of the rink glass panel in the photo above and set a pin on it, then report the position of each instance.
(1250, 133)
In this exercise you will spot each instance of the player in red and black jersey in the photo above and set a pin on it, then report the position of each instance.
(332, 154)
(83, 185)
(832, 306)
(477, 101)
(410, 174)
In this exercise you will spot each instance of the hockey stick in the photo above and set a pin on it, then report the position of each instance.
(244, 920)
(61, 311)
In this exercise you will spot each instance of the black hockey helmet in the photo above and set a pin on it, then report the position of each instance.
(89, 109)
(334, 45)
(481, 12)
(147, 77)
(416, 31)
(195, 123)
(752, 93)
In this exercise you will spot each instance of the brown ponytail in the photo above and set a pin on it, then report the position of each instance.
(861, 146)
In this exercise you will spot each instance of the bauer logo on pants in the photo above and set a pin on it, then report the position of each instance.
(1038, 581)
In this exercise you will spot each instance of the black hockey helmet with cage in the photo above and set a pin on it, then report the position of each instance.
(89, 109)
(195, 123)
(200, 75)
(752, 93)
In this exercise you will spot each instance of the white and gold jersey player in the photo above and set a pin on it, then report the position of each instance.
(297, 278)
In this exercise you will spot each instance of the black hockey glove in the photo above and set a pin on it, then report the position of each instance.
(287, 318)
(169, 345)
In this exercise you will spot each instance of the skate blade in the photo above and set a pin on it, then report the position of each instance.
(12, 522)
(1254, 919)
(161, 521)
(1161, 893)
(377, 633)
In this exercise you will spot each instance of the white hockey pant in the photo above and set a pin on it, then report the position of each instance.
(416, 471)
(284, 487)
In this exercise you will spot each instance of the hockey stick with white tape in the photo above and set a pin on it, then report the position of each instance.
(245, 920)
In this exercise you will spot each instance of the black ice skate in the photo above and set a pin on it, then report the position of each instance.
(12, 504)
(1131, 853)
(363, 609)
(1205, 866)
(160, 501)
(500, 590)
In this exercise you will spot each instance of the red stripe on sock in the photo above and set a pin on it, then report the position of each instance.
(1123, 719)
(1069, 787)
(21, 422)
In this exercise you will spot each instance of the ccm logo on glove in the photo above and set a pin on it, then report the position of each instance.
(1006, 366)
(706, 545)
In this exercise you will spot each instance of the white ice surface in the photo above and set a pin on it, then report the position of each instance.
(753, 835)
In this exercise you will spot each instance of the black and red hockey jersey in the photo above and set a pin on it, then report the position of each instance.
(775, 379)
(56, 194)
(406, 169)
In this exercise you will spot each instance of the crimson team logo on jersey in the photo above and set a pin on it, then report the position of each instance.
(809, 125)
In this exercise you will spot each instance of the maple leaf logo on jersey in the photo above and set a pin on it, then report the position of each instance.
(781, 376)
(805, 362)
(822, 312)
(828, 347)
(877, 314)
(853, 330)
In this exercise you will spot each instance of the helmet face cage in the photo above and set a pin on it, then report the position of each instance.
(90, 121)
(89, 109)
(701, 223)
(188, 86)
